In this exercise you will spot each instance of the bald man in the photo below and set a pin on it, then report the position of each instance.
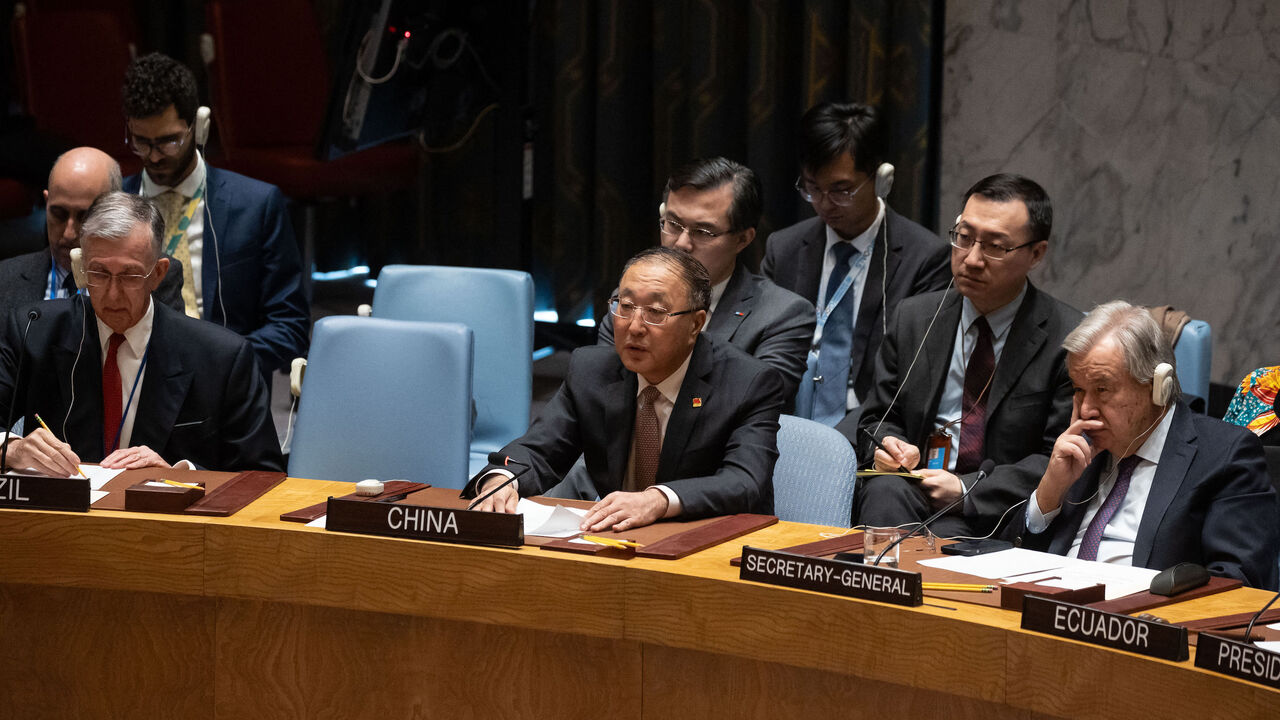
(77, 179)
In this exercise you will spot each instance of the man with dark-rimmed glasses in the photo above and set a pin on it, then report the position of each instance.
(971, 374)
(670, 422)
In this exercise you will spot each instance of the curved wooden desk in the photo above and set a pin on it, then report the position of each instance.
(118, 614)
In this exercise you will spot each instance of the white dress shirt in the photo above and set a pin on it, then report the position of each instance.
(195, 230)
(132, 370)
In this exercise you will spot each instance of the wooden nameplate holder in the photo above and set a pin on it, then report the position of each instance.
(668, 540)
(1144, 600)
(391, 491)
(150, 496)
(225, 492)
(1013, 594)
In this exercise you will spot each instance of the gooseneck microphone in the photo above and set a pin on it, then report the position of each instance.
(497, 458)
(32, 315)
(1248, 631)
(983, 471)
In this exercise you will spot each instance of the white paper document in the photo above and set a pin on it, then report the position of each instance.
(1272, 645)
(318, 522)
(557, 521)
(98, 475)
(1021, 565)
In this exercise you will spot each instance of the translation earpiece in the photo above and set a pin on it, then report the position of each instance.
(662, 209)
(77, 268)
(884, 180)
(1162, 384)
(204, 117)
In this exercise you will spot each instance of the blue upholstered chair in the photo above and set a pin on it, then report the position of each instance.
(498, 307)
(1193, 353)
(385, 399)
(816, 473)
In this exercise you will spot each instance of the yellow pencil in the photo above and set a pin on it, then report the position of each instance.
(610, 541)
(46, 427)
(960, 587)
(175, 483)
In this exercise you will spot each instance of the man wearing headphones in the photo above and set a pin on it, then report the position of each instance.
(1138, 478)
(855, 261)
(232, 234)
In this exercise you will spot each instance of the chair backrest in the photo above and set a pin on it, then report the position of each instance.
(385, 399)
(1193, 353)
(498, 306)
(816, 473)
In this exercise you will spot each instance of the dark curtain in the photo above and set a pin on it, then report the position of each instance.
(625, 90)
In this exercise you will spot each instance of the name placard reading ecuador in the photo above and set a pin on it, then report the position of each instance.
(1145, 637)
(422, 522)
(44, 493)
(834, 577)
(1238, 659)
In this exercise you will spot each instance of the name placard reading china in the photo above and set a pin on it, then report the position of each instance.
(834, 577)
(421, 522)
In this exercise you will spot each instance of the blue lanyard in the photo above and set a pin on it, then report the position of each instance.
(124, 412)
(827, 309)
(53, 280)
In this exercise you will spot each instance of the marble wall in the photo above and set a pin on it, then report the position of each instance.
(1153, 125)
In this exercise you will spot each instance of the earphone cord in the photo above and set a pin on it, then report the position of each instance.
(1127, 448)
(942, 301)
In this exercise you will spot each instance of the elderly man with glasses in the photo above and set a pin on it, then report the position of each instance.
(126, 381)
(671, 422)
(855, 261)
(232, 234)
(971, 374)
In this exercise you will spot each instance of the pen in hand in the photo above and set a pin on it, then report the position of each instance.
(881, 446)
(55, 437)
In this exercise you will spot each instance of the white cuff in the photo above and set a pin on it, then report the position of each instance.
(674, 506)
(1037, 521)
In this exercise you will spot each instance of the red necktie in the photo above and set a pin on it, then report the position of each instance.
(973, 407)
(111, 396)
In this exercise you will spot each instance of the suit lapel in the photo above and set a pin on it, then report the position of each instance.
(1026, 336)
(619, 423)
(872, 295)
(734, 306)
(810, 271)
(84, 422)
(1171, 472)
(935, 361)
(215, 203)
(1074, 504)
(684, 416)
(164, 389)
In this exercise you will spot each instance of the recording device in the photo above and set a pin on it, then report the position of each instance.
(495, 458)
(32, 315)
(1179, 579)
(983, 471)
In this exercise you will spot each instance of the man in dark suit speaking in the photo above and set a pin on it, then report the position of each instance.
(1138, 478)
(127, 381)
(974, 375)
(670, 422)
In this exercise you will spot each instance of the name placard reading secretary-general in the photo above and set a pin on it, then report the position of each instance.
(44, 493)
(421, 522)
(834, 577)
(1145, 637)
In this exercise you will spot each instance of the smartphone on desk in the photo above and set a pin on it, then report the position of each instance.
(969, 548)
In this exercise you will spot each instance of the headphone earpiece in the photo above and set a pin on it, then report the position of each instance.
(204, 117)
(662, 209)
(77, 268)
(1162, 384)
(884, 180)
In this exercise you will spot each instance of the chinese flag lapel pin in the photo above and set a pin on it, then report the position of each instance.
(697, 402)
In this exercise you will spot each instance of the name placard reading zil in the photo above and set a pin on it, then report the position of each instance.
(834, 577)
(422, 522)
(1145, 637)
(1238, 659)
(44, 493)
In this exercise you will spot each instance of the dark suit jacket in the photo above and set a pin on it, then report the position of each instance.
(1029, 403)
(760, 319)
(202, 399)
(25, 279)
(251, 266)
(918, 262)
(1210, 503)
(718, 457)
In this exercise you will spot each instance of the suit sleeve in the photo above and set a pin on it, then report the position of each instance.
(744, 480)
(935, 272)
(1239, 533)
(785, 345)
(769, 262)
(285, 315)
(604, 330)
(247, 434)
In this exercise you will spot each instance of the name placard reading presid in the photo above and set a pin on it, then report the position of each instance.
(1238, 659)
(421, 522)
(44, 493)
(834, 577)
(1145, 637)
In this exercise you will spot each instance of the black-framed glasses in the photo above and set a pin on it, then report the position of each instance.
(168, 146)
(625, 310)
(675, 229)
(100, 279)
(810, 192)
(962, 240)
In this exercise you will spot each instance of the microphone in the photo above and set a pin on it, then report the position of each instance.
(32, 315)
(983, 471)
(496, 458)
(1248, 631)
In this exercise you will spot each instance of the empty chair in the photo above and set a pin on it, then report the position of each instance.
(1193, 353)
(816, 473)
(498, 306)
(385, 399)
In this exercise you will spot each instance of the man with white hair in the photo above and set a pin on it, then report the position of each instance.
(1138, 478)
(127, 381)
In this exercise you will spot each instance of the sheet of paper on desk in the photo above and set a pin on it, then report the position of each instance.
(98, 475)
(1003, 564)
(1272, 645)
(318, 522)
(556, 521)
(96, 495)
(1021, 565)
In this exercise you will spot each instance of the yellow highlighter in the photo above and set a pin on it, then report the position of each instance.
(46, 428)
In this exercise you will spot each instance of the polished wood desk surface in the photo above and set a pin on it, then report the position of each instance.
(691, 624)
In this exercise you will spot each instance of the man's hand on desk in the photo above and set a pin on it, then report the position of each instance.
(134, 458)
(941, 486)
(903, 454)
(626, 510)
(503, 501)
(45, 453)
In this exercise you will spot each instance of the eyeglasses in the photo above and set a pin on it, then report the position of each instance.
(810, 192)
(674, 229)
(651, 315)
(99, 279)
(168, 146)
(964, 241)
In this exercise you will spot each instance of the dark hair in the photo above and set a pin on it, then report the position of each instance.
(829, 130)
(114, 215)
(154, 82)
(1005, 187)
(711, 173)
(691, 272)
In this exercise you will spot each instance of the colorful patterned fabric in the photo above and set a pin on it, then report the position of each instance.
(1254, 404)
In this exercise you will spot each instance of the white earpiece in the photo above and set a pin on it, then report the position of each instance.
(77, 268)
(204, 117)
(884, 180)
(1162, 384)
(662, 209)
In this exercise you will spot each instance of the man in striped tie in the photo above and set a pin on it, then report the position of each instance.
(1138, 478)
